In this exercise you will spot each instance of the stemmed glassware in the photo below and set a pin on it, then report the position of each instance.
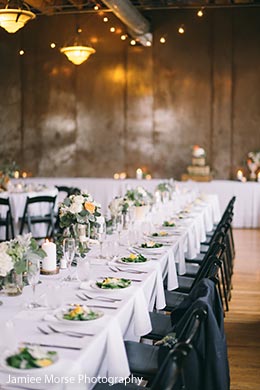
(119, 226)
(33, 275)
(69, 249)
(100, 234)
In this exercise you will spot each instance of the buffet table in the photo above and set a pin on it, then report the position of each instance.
(247, 205)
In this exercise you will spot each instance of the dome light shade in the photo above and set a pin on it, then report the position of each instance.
(14, 19)
(77, 54)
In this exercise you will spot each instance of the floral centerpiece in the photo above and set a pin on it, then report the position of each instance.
(75, 212)
(7, 171)
(78, 209)
(15, 254)
(117, 206)
(164, 190)
(139, 200)
(138, 197)
(253, 162)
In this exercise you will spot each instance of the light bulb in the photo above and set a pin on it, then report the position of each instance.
(21, 52)
(132, 42)
(52, 45)
(105, 19)
(181, 30)
(162, 40)
(112, 29)
(200, 13)
(123, 37)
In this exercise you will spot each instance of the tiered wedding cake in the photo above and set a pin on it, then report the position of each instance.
(198, 170)
(198, 163)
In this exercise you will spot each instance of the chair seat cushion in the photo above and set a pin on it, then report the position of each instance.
(161, 325)
(185, 284)
(192, 269)
(173, 299)
(198, 259)
(142, 358)
(204, 248)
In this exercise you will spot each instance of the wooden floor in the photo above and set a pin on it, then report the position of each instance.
(242, 322)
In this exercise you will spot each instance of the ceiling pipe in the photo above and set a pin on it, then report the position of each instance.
(138, 26)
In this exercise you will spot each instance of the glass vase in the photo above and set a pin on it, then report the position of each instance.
(13, 284)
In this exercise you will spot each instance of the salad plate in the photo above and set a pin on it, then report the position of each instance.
(151, 247)
(27, 359)
(133, 258)
(111, 284)
(78, 314)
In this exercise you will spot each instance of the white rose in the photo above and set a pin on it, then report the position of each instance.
(75, 208)
(79, 199)
(6, 263)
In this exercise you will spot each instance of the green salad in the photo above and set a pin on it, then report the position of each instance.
(133, 258)
(80, 313)
(169, 224)
(162, 233)
(113, 283)
(31, 357)
(151, 244)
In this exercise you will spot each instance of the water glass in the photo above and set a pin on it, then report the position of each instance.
(69, 249)
(33, 276)
(83, 269)
(100, 235)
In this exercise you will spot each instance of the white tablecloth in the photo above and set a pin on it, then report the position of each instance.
(103, 354)
(247, 205)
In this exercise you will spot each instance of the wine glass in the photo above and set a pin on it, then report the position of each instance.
(69, 249)
(100, 233)
(119, 226)
(33, 275)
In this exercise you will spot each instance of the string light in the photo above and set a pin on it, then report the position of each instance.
(133, 42)
(123, 37)
(162, 40)
(148, 43)
(96, 8)
(21, 52)
(105, 19)
(52, 45)
(112, 29)
(200, 13)
(181, 29)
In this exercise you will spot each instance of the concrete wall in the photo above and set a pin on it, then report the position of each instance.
(132, 106)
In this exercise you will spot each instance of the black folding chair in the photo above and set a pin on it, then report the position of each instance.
(47, 217)
(6, 219)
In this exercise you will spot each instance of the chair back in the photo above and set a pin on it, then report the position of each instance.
(39, 210)
(6, 219)
(170, 376)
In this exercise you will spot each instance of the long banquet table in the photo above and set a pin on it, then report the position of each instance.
(101, 353)
(247, 205)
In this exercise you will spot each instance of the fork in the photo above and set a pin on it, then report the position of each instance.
(70, 334)
(105, 299)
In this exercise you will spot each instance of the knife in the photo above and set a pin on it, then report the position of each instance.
(52, 346)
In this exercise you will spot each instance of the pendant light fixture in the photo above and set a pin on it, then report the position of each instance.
(77, 53)
(15, 15)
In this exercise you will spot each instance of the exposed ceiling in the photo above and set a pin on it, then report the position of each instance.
(74, 6)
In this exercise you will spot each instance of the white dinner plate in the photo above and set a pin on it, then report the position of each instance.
(131, 262)
(150, 250)
(30, 371)
(60, 313)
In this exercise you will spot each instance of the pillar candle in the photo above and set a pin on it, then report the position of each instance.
(49, 263)
(239, 175)
(139, 174)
